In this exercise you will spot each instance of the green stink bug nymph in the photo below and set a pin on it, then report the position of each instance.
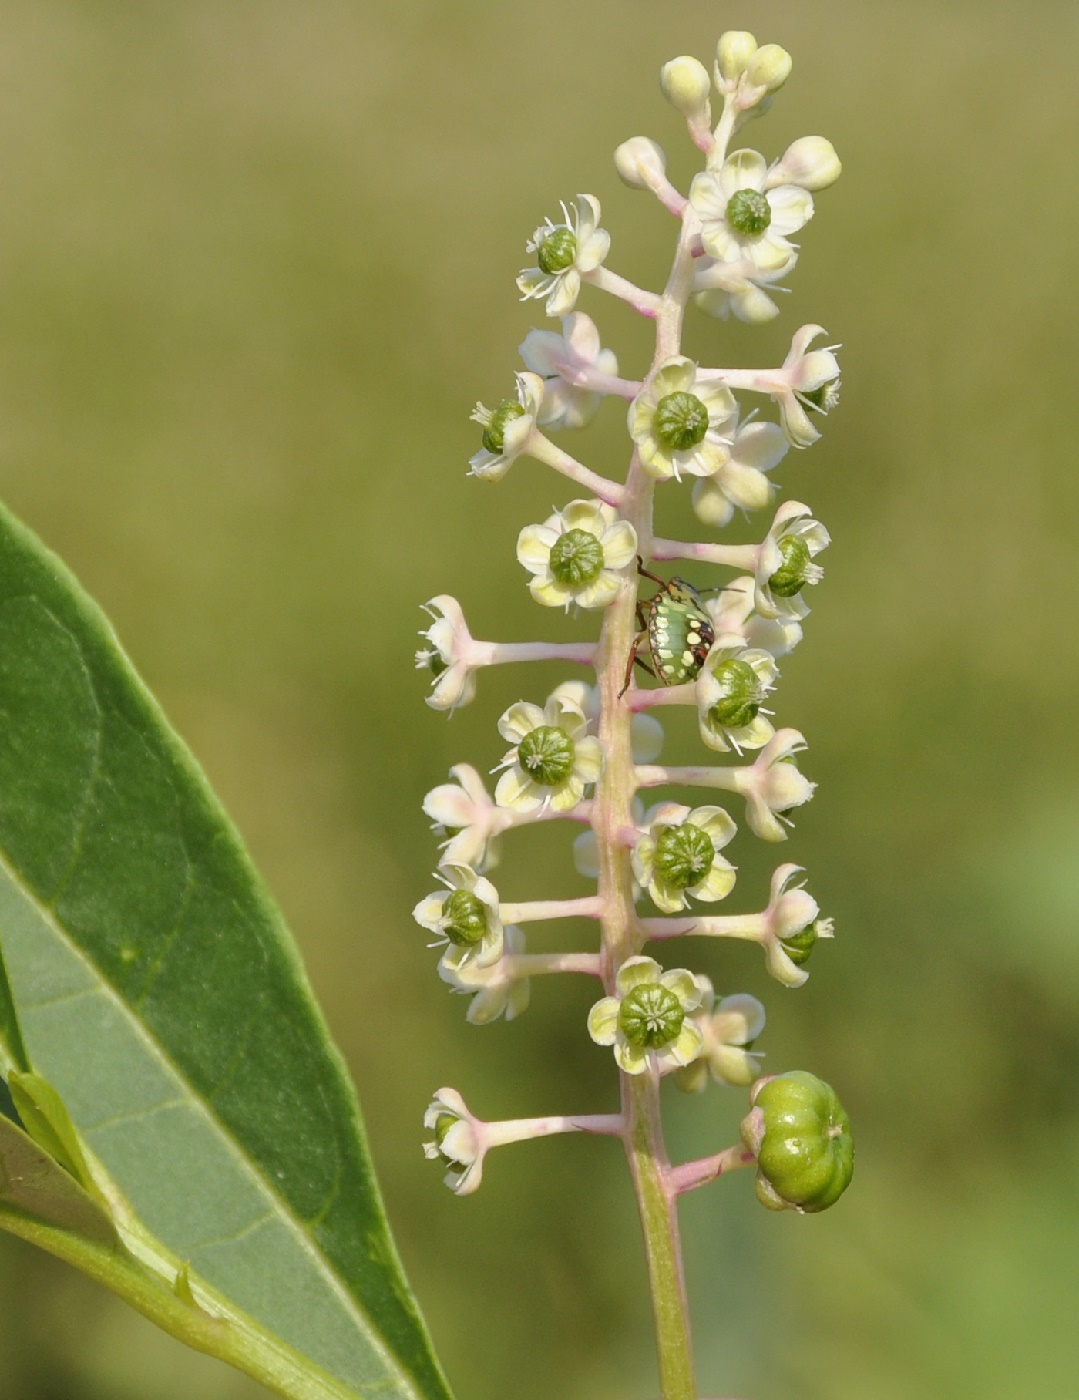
(676, 631)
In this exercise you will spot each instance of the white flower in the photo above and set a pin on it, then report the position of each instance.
(506, 429)
(452, 656)
(772, 785)
(561, 361)
(730, 691)
(729, 1030)
(741, 480)
(649, 1016)
(682, 423)
(466, 916)
(784, 565)
(679, 855)
(792, 927)
(564, 251)
(810, 162)
(809, 380)
(578, 555)
(494, 990)
(465, 807)
(732, 612)
(741, 218)
(458, 1141)
(553, 758)
(738, 289)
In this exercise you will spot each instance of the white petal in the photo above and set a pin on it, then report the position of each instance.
(603, 1021)
(743, 170)
(601, 592)
(520, 719)
(637, 972)
(619, 545)
(518, 792)
(792, 209)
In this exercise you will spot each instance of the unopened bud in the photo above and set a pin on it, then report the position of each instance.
(640, 163)
(733, 52)
(769, 68)
(810, 162)
(687, 87)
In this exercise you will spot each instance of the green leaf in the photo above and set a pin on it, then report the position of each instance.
(159, 991)
(39, 1192)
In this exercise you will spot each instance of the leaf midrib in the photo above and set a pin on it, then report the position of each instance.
(154, 1047)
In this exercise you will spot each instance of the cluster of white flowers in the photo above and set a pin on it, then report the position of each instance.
(584, 753)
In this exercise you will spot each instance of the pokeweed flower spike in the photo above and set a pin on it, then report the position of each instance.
(710, 644)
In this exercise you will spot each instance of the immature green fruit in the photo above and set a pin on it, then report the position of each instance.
(557, 251)
(792, 575)
(464, 919)
(748, 212)
(802, 1138)
(547, 755)
(494, 435)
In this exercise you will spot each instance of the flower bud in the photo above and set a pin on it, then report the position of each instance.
(810, 162)
(687, 87)
(802, 1139)
(769, 68)
(733, 52)
(640, 163)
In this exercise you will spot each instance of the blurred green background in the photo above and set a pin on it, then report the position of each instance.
(256, 264)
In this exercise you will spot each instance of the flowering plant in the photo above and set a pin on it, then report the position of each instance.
(174, 1120)
(714, 651)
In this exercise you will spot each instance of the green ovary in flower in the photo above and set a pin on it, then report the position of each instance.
(802, 1137)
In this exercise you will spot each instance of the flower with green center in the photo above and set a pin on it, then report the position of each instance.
(506, 428)
(791, 928)
(458, 1141)
(743, 219)
(731, 689)
(678, 855)
(785, 563)
(564, 252)
(453, 655)
(465, 808)
(801, 1137)
(553, 758)
(730, 1029)
(740, 289)
(494, 990)
(732, 614)
(807, 382)
(578, 555)
(773, 786)
(741, 481)
(560, 360)
(649, 1016)
(465, 917)
(682, 423)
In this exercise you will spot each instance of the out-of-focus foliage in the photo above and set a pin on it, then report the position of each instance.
(256, 264)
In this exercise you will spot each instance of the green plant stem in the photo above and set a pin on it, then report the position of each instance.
(621, 932)
(192, 1313)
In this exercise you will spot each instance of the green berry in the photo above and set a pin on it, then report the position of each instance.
(802, 1138)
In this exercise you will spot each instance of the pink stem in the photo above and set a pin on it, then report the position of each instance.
(736, 556)
(545, 451)
(590, 907)
(647, 303)
(504, 652)
(690, 1175)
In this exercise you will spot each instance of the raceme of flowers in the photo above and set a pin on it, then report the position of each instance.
(587, 752)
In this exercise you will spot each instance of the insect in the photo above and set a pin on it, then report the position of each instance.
(676, 631)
